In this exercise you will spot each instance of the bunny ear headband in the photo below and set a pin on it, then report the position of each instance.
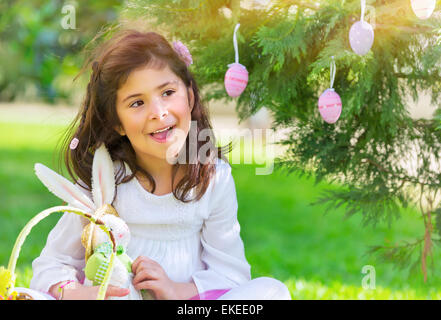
(183, 53)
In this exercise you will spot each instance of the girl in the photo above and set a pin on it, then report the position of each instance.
(144, 104)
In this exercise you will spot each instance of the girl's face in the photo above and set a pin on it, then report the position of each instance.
(152, 100)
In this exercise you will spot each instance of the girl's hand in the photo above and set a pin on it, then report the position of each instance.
(77, 291)
(149, 275)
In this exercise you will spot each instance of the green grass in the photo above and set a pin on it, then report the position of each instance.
(318, 256)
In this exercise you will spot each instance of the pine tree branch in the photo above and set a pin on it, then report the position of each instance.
(407, 245)
(302, 4)
(417, 76)
(412, 30)
(404, 179)
(397, 253)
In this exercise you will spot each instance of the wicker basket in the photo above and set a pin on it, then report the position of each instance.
(25, 232)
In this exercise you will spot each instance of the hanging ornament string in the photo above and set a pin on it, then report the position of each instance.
(363, 10)
(235, 42)
(333, 69)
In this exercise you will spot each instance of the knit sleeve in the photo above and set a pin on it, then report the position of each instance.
(223, 251)
(62, 258)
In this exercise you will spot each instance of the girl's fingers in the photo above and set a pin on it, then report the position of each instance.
(113, 291)
(135, 264)
(144, 274)
(141, 260)
(147, 285)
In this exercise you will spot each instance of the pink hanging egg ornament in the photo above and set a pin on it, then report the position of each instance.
(361, 37)
(236, 79)
(423, 8)
(329, 105)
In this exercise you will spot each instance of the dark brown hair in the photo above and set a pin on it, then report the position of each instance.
(111, 64)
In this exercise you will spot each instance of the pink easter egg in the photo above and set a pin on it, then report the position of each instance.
(329, 105)
(236, 79)
(361, 37)
(423, 8)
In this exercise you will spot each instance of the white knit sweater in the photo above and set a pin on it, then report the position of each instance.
(197, 240)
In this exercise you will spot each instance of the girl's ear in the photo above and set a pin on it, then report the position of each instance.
(120, 130)
(191, 97)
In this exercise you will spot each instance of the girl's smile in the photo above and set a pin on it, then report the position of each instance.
(163, 135)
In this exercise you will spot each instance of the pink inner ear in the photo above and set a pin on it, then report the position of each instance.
(65, 187)
(100, 178)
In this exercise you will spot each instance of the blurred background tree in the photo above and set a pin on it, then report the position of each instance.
(39, 57)
(385, 159)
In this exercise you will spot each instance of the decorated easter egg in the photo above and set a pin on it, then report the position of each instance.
(423, 8)
(361, 37)
(329, 105)
(236, 79)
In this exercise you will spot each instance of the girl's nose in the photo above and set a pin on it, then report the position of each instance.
(158, 110)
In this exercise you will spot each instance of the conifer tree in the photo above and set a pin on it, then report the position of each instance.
(384, 159)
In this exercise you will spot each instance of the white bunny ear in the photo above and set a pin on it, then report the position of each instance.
(63, 188)
(103, 177)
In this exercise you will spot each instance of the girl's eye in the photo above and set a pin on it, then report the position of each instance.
(138, 103)
(135, 104)
(172, 91)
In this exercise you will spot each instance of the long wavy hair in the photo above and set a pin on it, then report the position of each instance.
(111, 64)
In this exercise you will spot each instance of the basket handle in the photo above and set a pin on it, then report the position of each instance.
(42, 215)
